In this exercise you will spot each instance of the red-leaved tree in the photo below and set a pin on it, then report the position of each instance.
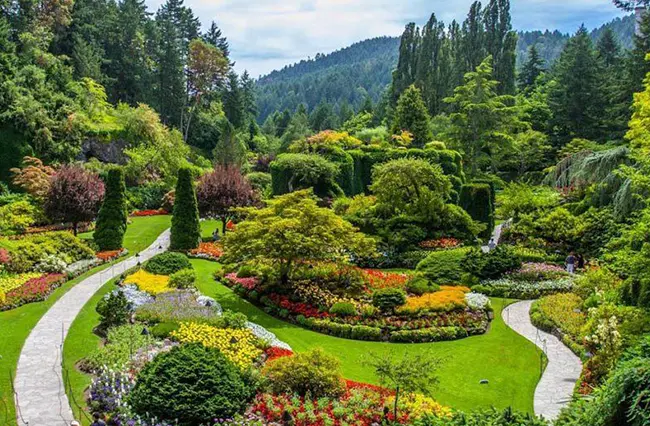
(221, 190)
(75, 196)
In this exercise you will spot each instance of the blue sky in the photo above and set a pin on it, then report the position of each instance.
(267, 34)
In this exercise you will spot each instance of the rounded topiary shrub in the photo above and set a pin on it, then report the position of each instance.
(388, 299)
(191, 385)
(182, 279)
(112, 217)
(420, 286)
(167, 263)
(186, 229)
(313, 372)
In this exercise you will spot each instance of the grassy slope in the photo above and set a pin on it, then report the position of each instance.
(507, 360)
(16, 324)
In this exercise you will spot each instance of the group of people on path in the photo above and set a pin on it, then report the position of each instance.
(574, 262)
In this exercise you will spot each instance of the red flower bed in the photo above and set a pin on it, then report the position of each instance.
(34, 290)
(108, 256)
(273, 353)
(297, 308)
(379, 279)
(248, 283)
(140, 213)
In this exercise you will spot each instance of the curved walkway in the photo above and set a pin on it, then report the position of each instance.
(40, 393)
(555, 389)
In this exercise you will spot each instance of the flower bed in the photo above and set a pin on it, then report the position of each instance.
(209, 251)
(536, 271)
(238, 345)
(380, 279)
(35, 289)
(108, 256)
(143, 213)
(151, 283)
(507, 287)
(440, 244)
(447, 299)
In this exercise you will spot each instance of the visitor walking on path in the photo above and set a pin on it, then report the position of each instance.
(571, 263)
(492, 244)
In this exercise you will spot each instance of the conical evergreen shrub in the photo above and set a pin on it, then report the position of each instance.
(112, 218)
(186, 230)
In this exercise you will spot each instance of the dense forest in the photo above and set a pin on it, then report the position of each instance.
(344, 78)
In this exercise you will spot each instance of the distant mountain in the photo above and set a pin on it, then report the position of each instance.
(365, 69)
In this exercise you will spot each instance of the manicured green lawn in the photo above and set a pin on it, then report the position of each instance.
(510, 362)
(208, 226)
(16, 324)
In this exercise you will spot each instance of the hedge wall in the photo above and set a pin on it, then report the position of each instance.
(291, 172)
(476, 199)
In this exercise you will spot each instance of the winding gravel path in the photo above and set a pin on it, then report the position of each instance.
(40, 392)
(555, 388)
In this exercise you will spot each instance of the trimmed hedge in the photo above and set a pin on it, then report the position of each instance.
(476, 199)
(444, 267)
(167, 263)
(424, 335)
(112, 217)
(186, 229)
(291, 172)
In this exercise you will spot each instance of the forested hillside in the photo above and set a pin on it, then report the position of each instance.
(345, 77)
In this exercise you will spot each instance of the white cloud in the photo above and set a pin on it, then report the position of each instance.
(266, 34)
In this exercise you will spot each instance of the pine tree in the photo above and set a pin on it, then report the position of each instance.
(412, 116)
(617, 108)
(112, 217)
(404, 74)
(323, 117)
(576, 98)
(532, 68)
(367, 105)
(608, 49)
(234, 101)
(215, 37)
(501, 43)
(249, 96)
(186, 229)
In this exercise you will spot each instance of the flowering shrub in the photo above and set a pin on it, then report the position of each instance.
(108, 256)
(4, 258)
(11, 282)
(506, 287)
(211, 251)
(533, 271)
(447, 299)
(238, 345)
(33, 290)
(230, 225)
(140, 213)
(274, 353)
(318, 296)
(560, 311)
(297, 308)
(50, 263)
(249, 283)
(477, 300)
(145, 281)
(440, 244)
(377, 279)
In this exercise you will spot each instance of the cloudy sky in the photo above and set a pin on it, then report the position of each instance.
(267, 34)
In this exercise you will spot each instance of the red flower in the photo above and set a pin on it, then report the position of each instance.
(273, 353)
(158, 212)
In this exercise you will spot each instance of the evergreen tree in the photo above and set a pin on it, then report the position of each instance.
(501, 43)
(234, 102)
(323, 118)
(367, 105)
(483, 122)
(112, 217)
(216, 38)
(404, 74)
(617, 105)
(412, 116)
(345, 112)
(531, 70)
(186, 229)
(576, 98)
(608, 49)
(636, 64)
(249, 96)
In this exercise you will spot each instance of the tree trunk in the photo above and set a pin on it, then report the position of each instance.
(224, 222)
(395, 406)
(74, 228)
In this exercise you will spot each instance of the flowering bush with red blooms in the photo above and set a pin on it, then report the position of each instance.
(139, 213)
(208, 251)
(4, 257)
(360, 405)
(230, 226)
(297, 308)
(377, 279)
(248, 283)
(107, 256)
(274, 353)
(440, 244)
(34, 290)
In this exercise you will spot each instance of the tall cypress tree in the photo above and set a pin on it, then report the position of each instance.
(532, 68)
(112, 217)
(404, 74)
(186, 229)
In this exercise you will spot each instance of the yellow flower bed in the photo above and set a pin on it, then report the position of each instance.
(12, 282)
(238, 345)
(418, 405)
(152, 284)
(447, 299)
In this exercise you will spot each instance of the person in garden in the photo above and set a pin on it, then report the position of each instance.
(492, 244)
(97, 420)
(581, 262)
(571, 263)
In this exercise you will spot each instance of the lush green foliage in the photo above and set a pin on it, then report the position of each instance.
(114, 310)
(167, 263)
(112, 217)
(476, 199)
(185, 231)
(388, 299)
(212, 386)
(183, 279)
(443, 267)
